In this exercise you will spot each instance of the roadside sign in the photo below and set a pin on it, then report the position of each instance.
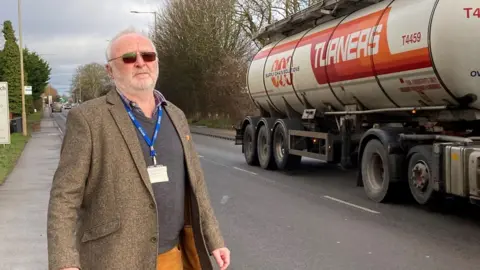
(28, 90)
(4, 114)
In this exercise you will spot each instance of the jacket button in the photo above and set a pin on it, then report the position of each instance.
(152, 206)
(153, 239)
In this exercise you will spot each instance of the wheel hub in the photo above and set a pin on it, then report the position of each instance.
(376, 172)
(420, 175)
(279, 145)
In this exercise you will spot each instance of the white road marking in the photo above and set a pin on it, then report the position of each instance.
(236, 168)
(59, 129)
(200, 156)
(252, 173)
(272, 181)
(352, 205)
(214, 162)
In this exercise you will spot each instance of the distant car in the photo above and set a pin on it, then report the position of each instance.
(67, 106)
(57, 107)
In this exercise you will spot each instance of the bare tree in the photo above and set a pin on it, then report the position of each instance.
(202, 54)
(252, 15)
(90, 81)
(205, 47)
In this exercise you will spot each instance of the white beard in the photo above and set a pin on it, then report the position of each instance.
(135, 86)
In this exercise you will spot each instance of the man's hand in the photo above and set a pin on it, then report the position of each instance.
(222, 256)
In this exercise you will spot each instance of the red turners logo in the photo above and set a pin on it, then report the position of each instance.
(281, 73)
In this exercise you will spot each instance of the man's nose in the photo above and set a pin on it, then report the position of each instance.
(139, 62)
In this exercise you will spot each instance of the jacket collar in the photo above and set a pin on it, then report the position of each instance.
(115, 96)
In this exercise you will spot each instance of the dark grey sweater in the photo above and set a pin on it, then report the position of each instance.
(169, 195)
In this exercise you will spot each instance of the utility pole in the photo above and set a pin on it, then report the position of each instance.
(22, 83)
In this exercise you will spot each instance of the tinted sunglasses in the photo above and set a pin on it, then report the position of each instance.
(131, 57)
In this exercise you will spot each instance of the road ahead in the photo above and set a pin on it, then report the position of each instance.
(316, 218)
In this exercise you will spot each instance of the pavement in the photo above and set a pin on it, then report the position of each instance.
(312, 218)
(24, 201)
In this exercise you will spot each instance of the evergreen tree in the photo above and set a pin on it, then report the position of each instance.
(10, 68)
(38, 72)
(1, 64)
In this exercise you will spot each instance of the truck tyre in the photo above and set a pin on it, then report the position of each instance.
(420, 178)
(264, 149)
(376, 172)
(283, 159)
(250, 146)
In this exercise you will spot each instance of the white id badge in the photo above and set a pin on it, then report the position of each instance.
(157, 174)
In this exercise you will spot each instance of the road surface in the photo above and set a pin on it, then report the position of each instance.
(316, 218)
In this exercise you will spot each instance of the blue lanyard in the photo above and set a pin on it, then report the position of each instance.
(149, 142)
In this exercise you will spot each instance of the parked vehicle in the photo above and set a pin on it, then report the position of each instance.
(390, 88)
(57, 107)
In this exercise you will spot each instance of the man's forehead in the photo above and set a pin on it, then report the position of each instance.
(132, 42)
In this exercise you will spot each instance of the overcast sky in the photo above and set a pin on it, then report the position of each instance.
(69, 33)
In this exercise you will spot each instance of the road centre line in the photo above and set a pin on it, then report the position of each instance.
(214, 162)
(223, 165)
(286, 186)
(352, 205)
(236, 168)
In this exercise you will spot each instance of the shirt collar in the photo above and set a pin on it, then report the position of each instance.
(159, 100)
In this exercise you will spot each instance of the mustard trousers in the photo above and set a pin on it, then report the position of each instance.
(170, 260)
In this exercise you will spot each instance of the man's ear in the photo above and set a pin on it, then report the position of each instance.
(109, 70)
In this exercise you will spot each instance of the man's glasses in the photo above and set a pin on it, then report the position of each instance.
(131, 57)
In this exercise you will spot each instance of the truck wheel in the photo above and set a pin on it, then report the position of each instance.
(283, 159)
(420, 178)
(375, 171)
(264, 149)
(250, 146)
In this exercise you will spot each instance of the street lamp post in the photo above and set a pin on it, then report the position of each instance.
(150, 12)
(22, 83)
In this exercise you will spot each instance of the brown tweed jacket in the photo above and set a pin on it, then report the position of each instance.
(101, 212)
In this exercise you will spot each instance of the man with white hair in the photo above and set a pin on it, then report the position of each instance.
(129, 191)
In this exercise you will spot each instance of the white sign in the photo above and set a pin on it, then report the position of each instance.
(28, 90)
(4, 114)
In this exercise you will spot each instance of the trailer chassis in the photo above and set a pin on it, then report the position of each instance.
(386, 155)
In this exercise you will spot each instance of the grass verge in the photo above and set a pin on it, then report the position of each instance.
(213, 123)
(10, 153)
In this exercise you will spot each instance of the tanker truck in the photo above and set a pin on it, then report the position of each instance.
(388, 88)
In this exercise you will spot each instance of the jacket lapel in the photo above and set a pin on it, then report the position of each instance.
(129, 135)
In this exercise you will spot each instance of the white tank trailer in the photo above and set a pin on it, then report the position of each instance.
(389, 87)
